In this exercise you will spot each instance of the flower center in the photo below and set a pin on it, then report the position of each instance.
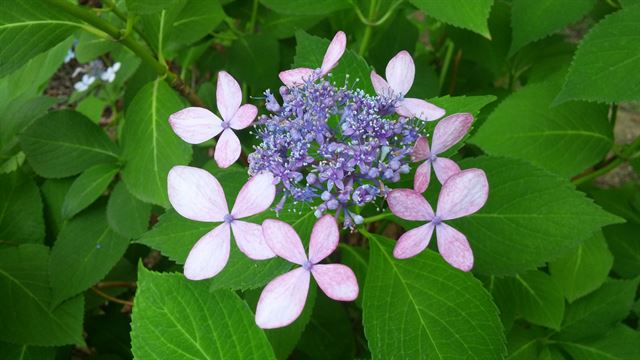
(228, 219)
(436, 220)
(433, 157)
(225, 125)
(307, 265)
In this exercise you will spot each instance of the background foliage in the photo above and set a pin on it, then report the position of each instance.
(91, 253)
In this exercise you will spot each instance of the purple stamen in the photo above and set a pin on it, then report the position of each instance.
(307, 265)
(436, 220)
(228, 219)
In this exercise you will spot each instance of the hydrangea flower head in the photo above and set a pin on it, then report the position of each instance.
(283, 299)
(448, 132)
(298, 76)
(400, 73)
(333, 148)
(462, 194)
(196, 125)
(197, 195)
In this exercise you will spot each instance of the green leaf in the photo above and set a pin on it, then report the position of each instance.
(524, 342)
(149, 146)
(191, 322)
(127, 215)
(65, 143)
(595, 313)
(310, 51)
(565, 139)
(53, 194)
(329, 334)
(21, 219)
(539, 299)
(84, 252)
(532, 216)
(90, 46)
(458, 104)
(149, 6)
(604, 68)
(304, 7)
(584, 269)
(26, 315)
(423, 308)
(87, 188)
(254, 60)
(284, 26)
(621, 343)
(625, 246)
(470, 15)
(196, 19)
(618, 201)
(534, 20)
(92, 107)
(25, 352)
(28, 28)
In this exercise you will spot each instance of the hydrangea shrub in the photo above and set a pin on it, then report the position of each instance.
(263, 179)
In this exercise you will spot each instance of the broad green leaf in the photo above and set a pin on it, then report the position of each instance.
(148, 6)
(26, 315)
(16, 116)
(625, 245)
(595, 313)
(621, 343)
(191, 322)
(92, 107)
(329, 333)
(534, 20)
(539, 299)
(471, 15)
(604, 68)
(254, 60)
(196, 19)
(28, 28)
(84, 252)
(284, 26)
(64, 143)
(564, 139)
(532, 216)
(127, 215)
(393, 36)
(284, 340)
(90, 46)
(618, 201)
(458, 104)
(525, 342)
(423, 308)
(149, 145)
(551, 353)
(304, 7)
(87, 188)
(584, 269)
(310, 50)
(24, 352)
(53, 194)
(21, 219)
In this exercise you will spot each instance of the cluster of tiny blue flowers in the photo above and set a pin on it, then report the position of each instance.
(333, 148)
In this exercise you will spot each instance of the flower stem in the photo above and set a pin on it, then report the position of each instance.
(369, 28)
(609, 164)
(145, 54)
(378, 217)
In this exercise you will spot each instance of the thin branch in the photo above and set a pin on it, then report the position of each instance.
(111, 298)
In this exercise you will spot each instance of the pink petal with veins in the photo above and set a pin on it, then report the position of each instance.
(413, 241)
(227, 149)
(400, 72)
(420, 149)
(463, 194)
(420, 109)
(334, 52)
(250, 240)
(196, 194)
(283, 299)
(243, 117)
(450, 131)
(324, 238)
(255, 196)
(454, 247)
(380, 85)
(195, 125)
(337, 281)
(228, 95)
(422, 177)
(444, 169)
(209, 255)
(283, 241)
(409, 205)
(295, 77)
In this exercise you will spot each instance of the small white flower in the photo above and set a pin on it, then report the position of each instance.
(110, 74)
(84, 84)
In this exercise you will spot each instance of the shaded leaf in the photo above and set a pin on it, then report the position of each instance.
(21, 219)
(127, 215)
(87, 188)
(625, 245)
(471, 15)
